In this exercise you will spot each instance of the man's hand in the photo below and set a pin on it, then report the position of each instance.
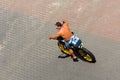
(63, 21)
(50, 38)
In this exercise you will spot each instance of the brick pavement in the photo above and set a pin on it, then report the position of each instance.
(27, 54)
(97, 17)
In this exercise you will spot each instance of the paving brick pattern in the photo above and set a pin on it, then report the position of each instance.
(98, 17)
(27, 54)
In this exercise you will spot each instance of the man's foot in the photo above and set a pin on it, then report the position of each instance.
(75, 59)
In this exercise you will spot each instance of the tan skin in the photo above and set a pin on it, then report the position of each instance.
(64, 32)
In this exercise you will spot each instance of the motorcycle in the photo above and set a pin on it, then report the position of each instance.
(80, 51)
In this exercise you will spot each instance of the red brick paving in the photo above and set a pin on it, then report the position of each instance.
(98, 17)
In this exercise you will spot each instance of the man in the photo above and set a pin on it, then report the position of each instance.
(65, 33)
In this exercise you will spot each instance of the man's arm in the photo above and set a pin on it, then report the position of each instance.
(55, 36)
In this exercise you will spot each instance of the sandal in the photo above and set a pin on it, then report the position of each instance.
(75, 59)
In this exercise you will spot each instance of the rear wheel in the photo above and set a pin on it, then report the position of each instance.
(87, 55)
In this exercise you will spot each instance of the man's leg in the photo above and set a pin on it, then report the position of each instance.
(73, 55)
(71, 51)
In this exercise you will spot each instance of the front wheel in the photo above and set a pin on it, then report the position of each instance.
(63, 49)
(87, 55)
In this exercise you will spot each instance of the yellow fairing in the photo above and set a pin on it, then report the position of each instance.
(63, 49)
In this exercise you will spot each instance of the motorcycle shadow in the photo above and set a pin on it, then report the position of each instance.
(64, 55)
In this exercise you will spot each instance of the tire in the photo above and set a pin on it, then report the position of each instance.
(87, 55)
(63, 49)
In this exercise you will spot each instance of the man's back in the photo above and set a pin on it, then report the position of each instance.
(65, 32)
